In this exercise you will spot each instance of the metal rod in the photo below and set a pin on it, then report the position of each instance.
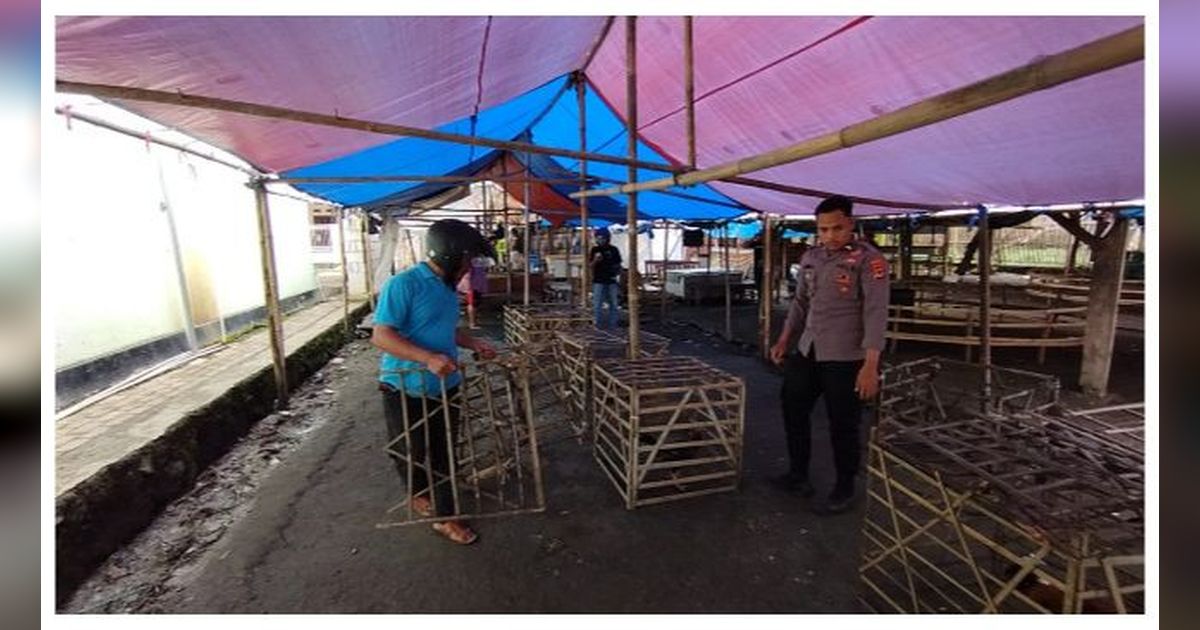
(282, 113)
(271, 294)
(631, 112)
(185, 297)
(1092, 58)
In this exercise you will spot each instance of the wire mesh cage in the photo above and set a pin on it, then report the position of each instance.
(667, 428)
(1007, 508)
(468, 450)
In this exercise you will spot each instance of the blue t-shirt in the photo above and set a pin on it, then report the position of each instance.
(419, 305)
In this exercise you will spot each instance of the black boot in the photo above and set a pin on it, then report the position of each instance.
(841, 500)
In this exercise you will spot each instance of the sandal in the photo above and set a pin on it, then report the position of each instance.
(456, 532)
(421, 506)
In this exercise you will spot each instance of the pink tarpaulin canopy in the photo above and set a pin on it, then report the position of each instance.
(761, 83)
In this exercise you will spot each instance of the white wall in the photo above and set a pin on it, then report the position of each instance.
(113, 268)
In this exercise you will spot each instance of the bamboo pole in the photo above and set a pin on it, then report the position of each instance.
(526, 245)
(436, 179)
(765, 297)
(631, 112)
(666, 254)
(282, 113)
(1092, 58)
(985, 303)
(508, 249)
(585, 285)
(689, 90)
(728, 292)
(266, 247)
(345, 271)
(368, 271)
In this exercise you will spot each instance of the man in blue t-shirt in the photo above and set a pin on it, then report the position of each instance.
(416, 327)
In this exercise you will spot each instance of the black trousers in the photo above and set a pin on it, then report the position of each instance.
(421, 444)
(805, 380)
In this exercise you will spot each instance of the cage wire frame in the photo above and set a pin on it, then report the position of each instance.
(949, 384)
(1001, 510)
(667, 428)
(576, 350)
(493, 458)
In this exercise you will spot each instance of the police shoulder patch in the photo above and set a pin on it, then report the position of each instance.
(878, 268)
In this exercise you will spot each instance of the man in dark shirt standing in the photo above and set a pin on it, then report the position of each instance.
(830, 346)
(606, 267)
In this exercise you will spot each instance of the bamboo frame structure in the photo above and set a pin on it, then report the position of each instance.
(766, 295)
(1000, 507)
(345, 271)
(271, 294)
(576, 350)
(585, 280)
(689, 90)
(493, 457)
(532, 330)
(435, 179)
(1098, 56)
(631, 134)
(527, 246)
(667, 428)
(368, 270)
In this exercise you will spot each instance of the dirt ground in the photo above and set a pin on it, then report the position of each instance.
(286, 522)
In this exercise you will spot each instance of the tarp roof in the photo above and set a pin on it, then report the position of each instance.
(761, 83)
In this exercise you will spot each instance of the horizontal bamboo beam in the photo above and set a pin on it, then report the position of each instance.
(1101, 55)
(147, 137)
(282, 113)
(873, 201)
(437, 179)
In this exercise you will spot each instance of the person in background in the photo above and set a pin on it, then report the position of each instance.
(472, 287)
(830, 345)
(606, 269)
(416, 327)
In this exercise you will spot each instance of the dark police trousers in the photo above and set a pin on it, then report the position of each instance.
(438, 451)
(804, 380)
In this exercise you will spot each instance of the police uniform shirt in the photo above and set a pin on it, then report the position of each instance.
(841, 304)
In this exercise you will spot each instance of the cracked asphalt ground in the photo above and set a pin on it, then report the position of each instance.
(286, 523)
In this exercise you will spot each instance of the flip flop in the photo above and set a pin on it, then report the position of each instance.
(455, 535)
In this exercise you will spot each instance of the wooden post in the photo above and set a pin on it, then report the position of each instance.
(631, 122)
(526, 245)
(689, 90)
(1108, 269)
(266, 248)
(985, 303)
(508, 250)
(345, 271)
(765, 297)
(368, 272)
(728, 293)
(585, 279)
(1091, 58)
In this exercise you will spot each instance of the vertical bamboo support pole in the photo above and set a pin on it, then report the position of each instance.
(271, 294)
(345, 272)
(585, 279)
(689, 90)
(631, 209)
(985, 302)
(662, 298)
(728, 292)
(765, 296)
(526, 244)
(508, 249)
(368, 272)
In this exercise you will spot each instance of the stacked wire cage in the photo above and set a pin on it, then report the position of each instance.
(667, 428)
(997, 501)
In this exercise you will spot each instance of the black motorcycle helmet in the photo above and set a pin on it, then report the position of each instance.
(449, 242)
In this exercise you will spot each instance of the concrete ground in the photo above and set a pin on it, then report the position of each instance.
(300, 535)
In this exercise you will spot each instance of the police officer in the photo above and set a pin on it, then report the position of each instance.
(836, 327)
